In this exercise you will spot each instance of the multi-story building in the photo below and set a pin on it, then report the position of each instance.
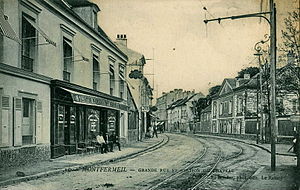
(62, 80)
(205, 120)
(164, 101)
(181, 115)
(139, 86)
(239, 108)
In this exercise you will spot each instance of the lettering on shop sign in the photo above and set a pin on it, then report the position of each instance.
(78, 98)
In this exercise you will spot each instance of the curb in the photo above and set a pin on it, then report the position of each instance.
(78, 167)
(238, 140)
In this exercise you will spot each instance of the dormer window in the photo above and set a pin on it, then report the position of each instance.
(94, 19)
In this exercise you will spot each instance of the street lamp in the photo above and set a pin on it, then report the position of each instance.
(258, 49)
(272, 23)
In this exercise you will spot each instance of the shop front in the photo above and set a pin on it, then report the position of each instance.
(78, 114)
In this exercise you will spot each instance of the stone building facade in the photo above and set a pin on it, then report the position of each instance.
(140, 88)
(62, 80)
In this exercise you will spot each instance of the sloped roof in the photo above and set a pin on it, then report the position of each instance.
(185, 100)
(131, 54)
(98, 31)
(207, 109)
(181, 101)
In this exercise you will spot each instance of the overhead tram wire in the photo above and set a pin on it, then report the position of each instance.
(211, 15)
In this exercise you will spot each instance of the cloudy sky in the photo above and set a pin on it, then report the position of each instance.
(187, 53)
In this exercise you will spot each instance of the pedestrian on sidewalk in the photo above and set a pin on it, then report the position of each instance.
(114, 139)
(151, 131)
(101, 142)
(294, 147)
(155, 131)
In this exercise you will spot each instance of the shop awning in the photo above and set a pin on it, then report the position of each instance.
(6, 29)
(89, 100)
(41, 32)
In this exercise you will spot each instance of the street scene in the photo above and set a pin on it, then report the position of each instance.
(149, 94)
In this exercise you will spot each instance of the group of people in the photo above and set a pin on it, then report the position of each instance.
(107, 142)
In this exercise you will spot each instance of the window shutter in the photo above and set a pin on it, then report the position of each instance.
(17, 121)
(39, 121)
(5, 124)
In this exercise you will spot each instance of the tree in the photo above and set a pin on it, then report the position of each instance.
(249, 70)
(213, 90)
(199, 105)
(291, 35)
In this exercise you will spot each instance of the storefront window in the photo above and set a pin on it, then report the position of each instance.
(111, 121)
(81, 127)
(72, 124)
(93, 123)
(59, 137)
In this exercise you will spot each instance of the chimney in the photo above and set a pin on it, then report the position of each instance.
(246, 76)
(122, 39)
(237, 83)
(290, 58)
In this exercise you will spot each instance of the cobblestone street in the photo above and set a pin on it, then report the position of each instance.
(179, 164)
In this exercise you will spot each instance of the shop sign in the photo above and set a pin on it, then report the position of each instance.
(111, 123)
(78, 98)
(93, 121)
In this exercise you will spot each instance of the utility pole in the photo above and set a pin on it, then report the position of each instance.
(272, 23)
(273, 84)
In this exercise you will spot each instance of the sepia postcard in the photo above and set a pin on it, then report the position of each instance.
(149, 94)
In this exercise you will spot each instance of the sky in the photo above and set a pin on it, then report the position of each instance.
(188, 53)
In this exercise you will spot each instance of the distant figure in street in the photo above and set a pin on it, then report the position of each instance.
(294, 143)
(155, 131)
(151, 131)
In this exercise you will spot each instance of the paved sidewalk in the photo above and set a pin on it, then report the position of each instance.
(75, 162)
(281, 149)
(284, 178)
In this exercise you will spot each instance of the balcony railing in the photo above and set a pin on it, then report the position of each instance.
(66, 76)
(27, 63)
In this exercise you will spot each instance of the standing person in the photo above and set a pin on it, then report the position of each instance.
(151, 131)
(106, 142)
(101, 142)
(114, 139)
(294, 146)
(155, 131)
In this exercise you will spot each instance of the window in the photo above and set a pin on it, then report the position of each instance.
(68, 59)
(28, 121)
(95, 72)
(112, 77)
(215, 109)
(29, 43)
(295, 106)
(240, 105)
(221, 108)
(95, 24)
(230, 107)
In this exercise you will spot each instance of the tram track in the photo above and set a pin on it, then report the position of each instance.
(202, 165)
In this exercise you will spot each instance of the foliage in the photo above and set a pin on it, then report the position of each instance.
(291, 35)
(249, 70)
(213, 90)
(199, 105)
